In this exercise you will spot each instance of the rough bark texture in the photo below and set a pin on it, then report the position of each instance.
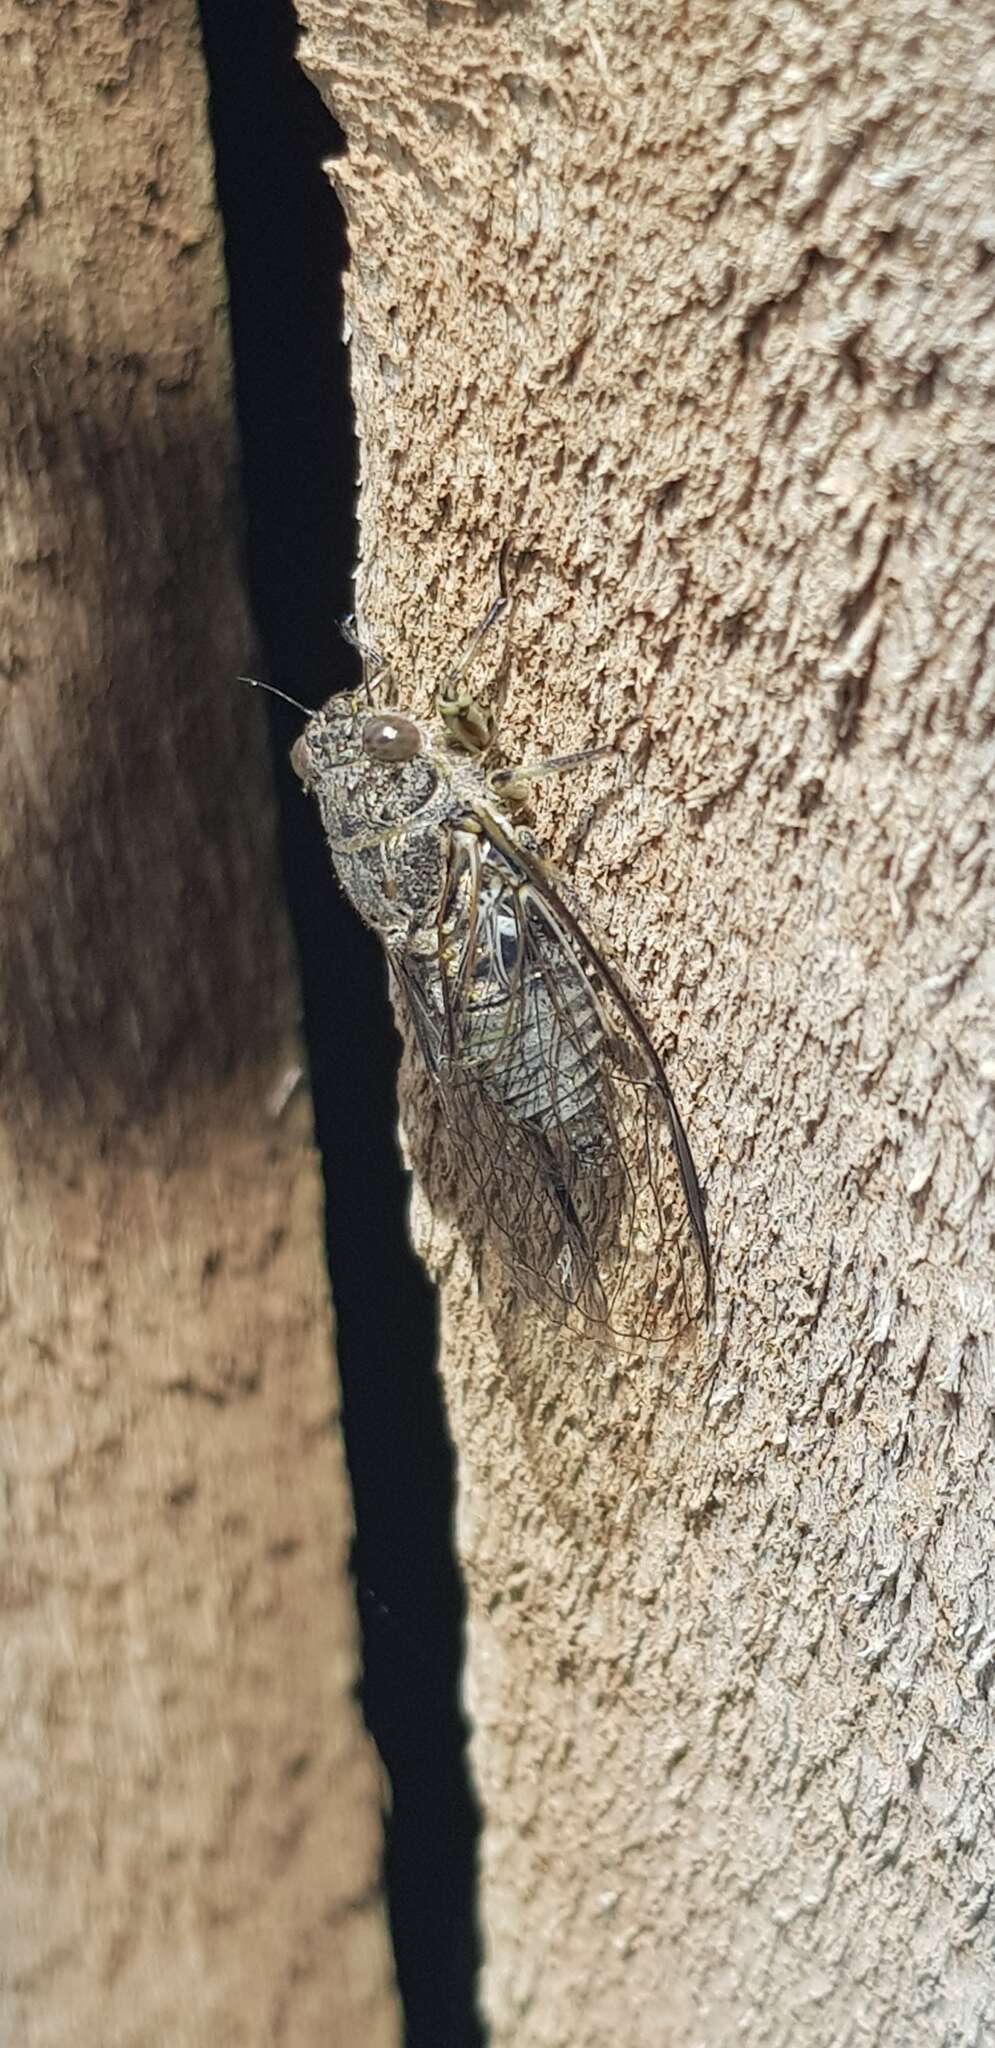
(191, 1809)
(697, 306)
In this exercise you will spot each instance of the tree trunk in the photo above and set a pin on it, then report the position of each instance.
(191, 1807)
(697, 309)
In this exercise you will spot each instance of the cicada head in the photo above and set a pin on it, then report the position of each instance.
(370, 769)
(345, 732)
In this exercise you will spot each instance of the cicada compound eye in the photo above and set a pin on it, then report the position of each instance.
(300, 758)
(391, 738)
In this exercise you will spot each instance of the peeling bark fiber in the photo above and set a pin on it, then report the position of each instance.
(696, 306)
(190, 1806)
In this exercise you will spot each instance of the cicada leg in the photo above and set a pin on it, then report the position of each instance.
(466, 722)
(512, 783)
(468, 725)
(471, 727)
(373, 664)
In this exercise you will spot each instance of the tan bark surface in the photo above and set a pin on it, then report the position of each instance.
(190, 1806)
(697, 306)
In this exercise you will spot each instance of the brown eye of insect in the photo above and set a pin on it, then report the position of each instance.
(300, 758)
(391, 739)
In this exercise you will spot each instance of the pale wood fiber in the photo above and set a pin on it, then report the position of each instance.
(697, 306)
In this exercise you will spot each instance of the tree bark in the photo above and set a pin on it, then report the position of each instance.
(697, 308)
(191, 1806)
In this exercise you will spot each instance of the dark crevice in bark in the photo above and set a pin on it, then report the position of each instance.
(285, 246)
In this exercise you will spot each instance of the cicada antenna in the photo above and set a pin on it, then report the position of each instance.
(271, 690)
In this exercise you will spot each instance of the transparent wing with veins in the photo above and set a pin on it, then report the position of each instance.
(558, 1106)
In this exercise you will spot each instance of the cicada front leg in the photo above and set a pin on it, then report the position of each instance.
(474, 730)
(374, 667)
(469, 726)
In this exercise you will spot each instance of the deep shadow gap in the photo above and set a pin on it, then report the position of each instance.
(286, 250)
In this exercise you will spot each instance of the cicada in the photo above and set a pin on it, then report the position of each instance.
(556, 1101)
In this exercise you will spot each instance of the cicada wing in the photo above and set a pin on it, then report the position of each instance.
(559, 1109)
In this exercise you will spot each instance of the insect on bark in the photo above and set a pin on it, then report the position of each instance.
(557, 1103)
